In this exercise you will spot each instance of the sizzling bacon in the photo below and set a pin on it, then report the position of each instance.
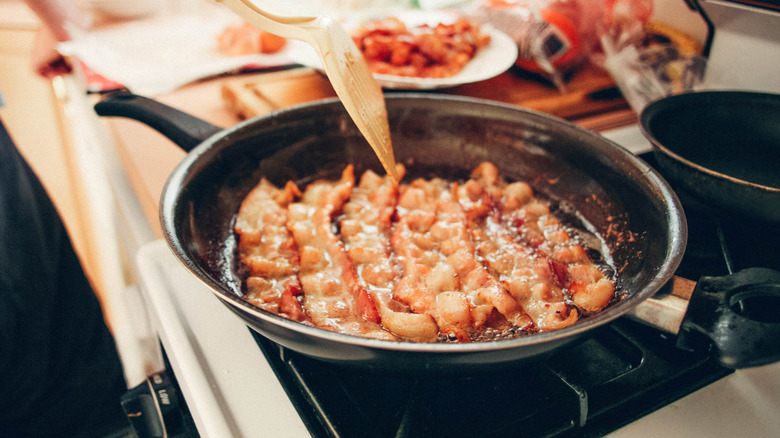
(423, 275)
(268, 251)
(333, 297)
(442, 277)
(365, 230)
(515, 233)
(481, 288)
(425, 261)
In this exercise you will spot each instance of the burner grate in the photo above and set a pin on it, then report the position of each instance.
(621, 373)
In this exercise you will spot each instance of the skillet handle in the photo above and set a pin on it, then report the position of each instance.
(183, 129)
(667, 308)
(738, 316)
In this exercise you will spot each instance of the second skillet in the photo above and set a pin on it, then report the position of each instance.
(721, 146)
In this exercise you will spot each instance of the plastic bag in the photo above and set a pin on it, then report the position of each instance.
(554, 37)
(647, 60)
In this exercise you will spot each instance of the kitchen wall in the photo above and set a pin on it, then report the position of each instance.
(677, 13)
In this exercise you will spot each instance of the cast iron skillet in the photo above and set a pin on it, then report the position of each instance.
(723, 147)
(623, 201)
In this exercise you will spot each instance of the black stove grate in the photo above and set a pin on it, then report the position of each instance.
(619, 374)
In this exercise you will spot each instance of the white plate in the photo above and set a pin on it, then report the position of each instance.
(490, 61)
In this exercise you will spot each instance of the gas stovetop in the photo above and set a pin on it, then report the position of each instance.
(614, 377)
(627, 379)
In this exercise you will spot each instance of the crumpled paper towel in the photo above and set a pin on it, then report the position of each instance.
(156, 55)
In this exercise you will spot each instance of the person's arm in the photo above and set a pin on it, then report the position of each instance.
(57, 16)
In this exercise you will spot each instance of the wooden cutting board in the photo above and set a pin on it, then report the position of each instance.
(257, 94)
(590, 99)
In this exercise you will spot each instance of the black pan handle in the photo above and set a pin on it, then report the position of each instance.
(738, 316)
(183, 129)
(735, 316)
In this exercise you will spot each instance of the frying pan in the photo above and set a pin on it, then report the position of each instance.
(626, 206)
(723, 147)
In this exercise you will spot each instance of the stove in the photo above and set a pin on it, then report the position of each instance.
(622, 373)
(617, 376)
(624, 380)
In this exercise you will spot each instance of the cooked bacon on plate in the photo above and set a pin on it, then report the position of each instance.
(391, 47)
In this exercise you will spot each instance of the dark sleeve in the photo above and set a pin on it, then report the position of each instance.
(61, 374)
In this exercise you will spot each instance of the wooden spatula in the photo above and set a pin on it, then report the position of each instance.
(344, 65)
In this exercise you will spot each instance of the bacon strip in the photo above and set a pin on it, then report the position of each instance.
(365, 230)
(268, 250)
(334, 299)
(417, 254)
(529, 250)
(565, 263)
(481, 288)
(442, 277)
(524, 271)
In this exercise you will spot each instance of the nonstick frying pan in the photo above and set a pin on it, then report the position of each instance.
(723, 147)
(618, 198)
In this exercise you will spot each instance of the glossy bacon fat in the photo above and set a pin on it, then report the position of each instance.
(425, 261)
